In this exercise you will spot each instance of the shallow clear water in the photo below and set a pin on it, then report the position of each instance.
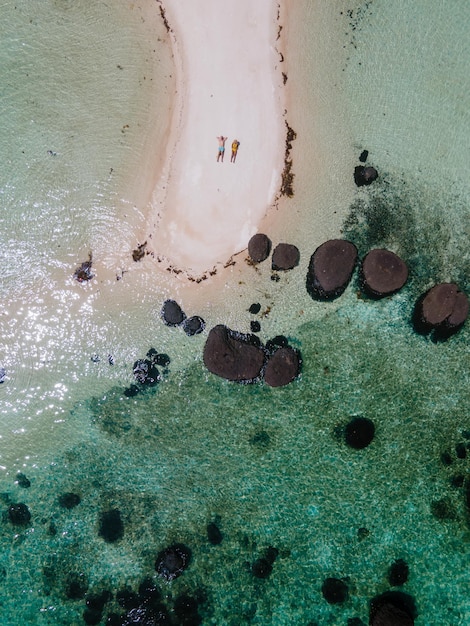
(269, 466)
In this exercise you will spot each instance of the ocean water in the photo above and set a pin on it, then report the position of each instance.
(85, 94)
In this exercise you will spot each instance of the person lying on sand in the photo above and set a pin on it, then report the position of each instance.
(235, 144)
(221, 150)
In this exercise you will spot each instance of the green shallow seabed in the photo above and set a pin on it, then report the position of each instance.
(271, 468)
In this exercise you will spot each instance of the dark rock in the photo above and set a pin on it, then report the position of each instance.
(364, 175)
(148, 591)
(111, 525)
(139, 253)
(443, 509)
(330, 269)
(363, 156)
(172, 314)
(362, 533)
(398, 573)
(286, 256)
(392, 608)
(457, 481)
(76, 586)
(84, 272)
(92, 616)
(279, 341)
(443, 309)
(446, 458)
(162, 360)
(359, 432)
(255, 326)
(127, 598)
(335, 590)
(3, 375)
(172, 561)
(255, 308)
(271, 554)
(283, 367)
(193, 325)
(131, 391)
(186, 610)
(96, 601)
(145, 372)
(261, 568)
(22, 481)
(214, 535)
(259, 247)
(383, 273)
(233, 356)
(144, 615)
(19, 514)
(461, 450)
(69, 500)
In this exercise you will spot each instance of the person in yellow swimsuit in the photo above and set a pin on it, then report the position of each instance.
(235, 144)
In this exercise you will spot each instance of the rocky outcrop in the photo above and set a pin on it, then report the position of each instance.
(286, 256)
(443, 310)
(259, 247)
(232, 355)
(364, 175)
(382, 273)
(330, 269)
(283, 367)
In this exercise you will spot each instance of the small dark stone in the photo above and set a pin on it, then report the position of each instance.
(362, 533)
(95, 358)
(111, 525)
(110, 359)
(76, 586)
(275, 278)
(19, 514)
(97, 601)
(363, 156)
(148, 591)
(255, 326)
(359, 432)
(3, 375)
(259, 247)
(398, 573)
(139, 253)
(22, 481)
(261, 568)
(364, 175)
(92, 616)
(172, 314)
(162, 360)
(255, 308)
(279, 341)
(193, 325)
(446, 458)
(84, 272)
(261, 439)
(335, 590)
(461, 451)
(443, 509)
(69, 500)
(172, 561)
(214, 535)
(285, 257)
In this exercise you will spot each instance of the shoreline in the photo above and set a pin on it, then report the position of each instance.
(203, 212)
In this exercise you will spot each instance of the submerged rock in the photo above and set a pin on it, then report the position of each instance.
(259, 247)
(232, 355)
(335, 590)
(383, 273)
(111, 527)
(392, 608)
(172, 561)
(330, 269)
(19, 514)
(84, 272)
(286, 256)
(193, 325)
(359, 432)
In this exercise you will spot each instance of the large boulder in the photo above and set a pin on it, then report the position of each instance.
(442, 309)
(232, 355)
(383, 273)
(330, 269)
(286, 256)
(283, 367)
(259, 247)
(172, 314)
(364, 175)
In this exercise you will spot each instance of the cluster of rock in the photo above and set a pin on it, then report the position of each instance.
(285, 256)
(242, 357)
(146, 372)
(364, 175)
(173, 315)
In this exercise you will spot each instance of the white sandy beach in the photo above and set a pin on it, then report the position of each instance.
(228, 82)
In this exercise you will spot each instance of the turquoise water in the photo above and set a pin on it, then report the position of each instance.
(268, 466)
